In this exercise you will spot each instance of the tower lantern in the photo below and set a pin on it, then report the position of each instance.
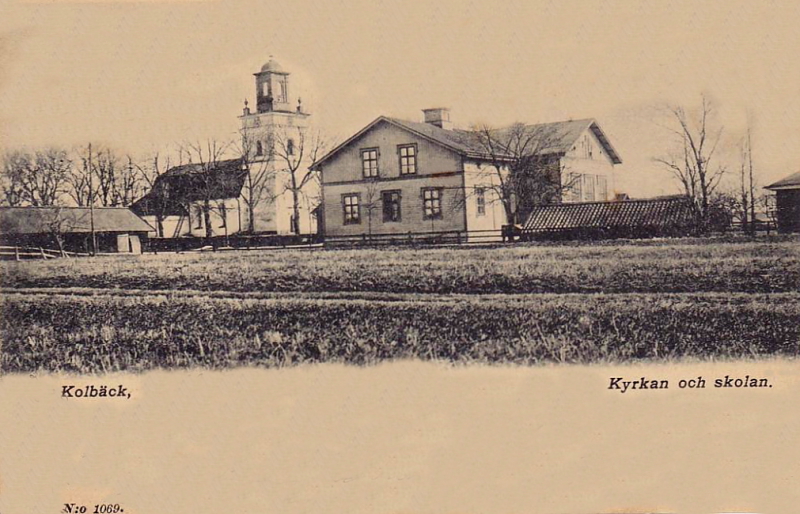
(272, 88)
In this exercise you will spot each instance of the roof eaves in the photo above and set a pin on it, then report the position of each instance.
(600, 135)
(451, 146)
(790, 182)
(316, 165)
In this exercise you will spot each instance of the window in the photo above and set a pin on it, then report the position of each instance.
(198, 213)
(259, 148)
(290, 147)
(432, 203)
(480, 201)
(602, 188)
(223, 214)
(574, 184)
(282, 91)
(265, 89)
(391, 206)
(408, 159)
(352, 209)
(589, 190)
(369, 162)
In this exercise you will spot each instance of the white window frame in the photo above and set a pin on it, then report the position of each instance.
(370, 156)
(432, 203)
(407, 155)
(351, 208)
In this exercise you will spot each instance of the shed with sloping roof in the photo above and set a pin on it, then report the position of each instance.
(117, 229)
(787, 202)
(667, 216)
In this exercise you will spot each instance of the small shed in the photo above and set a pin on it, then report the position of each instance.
(666, 216)
(117, 229)
(787, 202)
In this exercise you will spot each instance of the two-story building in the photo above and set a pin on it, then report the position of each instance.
(401, 177)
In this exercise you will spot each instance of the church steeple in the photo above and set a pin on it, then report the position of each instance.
(272, 88)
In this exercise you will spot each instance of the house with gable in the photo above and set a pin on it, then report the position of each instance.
(403, 177)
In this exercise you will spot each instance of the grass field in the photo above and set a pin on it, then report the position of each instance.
(525, 305)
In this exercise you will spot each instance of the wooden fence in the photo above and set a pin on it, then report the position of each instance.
(454, 237)
(19, 253)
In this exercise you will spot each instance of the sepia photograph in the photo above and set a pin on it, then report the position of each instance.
(399, 257)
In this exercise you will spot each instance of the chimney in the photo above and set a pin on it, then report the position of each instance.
(439, 116)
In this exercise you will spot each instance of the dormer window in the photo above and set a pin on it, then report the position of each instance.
(369, 162)
(408, 159)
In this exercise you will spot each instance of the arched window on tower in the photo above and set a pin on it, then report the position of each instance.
(259, 148)
(290, 147)
(282, 95)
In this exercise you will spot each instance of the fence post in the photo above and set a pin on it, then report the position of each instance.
(41, 250)
(16, 253)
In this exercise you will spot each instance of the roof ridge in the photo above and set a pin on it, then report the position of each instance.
(629, 200)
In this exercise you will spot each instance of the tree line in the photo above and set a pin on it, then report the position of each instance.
(99, 175)
(521, 172)
(55, 176)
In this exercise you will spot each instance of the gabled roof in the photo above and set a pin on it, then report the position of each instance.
(658, 212)
(790, 182)
(187, 183)
(563, 135)
(42, 220)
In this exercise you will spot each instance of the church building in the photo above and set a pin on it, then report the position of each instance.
(266, 188)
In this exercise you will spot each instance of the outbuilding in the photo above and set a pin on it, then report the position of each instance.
(117, 229)
(787, 202)
(654, 217)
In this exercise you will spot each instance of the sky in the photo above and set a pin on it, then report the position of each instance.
(148, 76)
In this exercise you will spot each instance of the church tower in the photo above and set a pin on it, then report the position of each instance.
(272, 88)
(275, 119)
(272, 140)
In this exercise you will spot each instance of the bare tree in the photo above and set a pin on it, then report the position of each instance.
(159, 193)
(747, 190)
(259, 183)
(209, 178)
(130, 183)
(80, 182)
(56, 224)
(371, 201)
(113, 181)
(15, 165)
(105, 168)
(696, 141)
(38, 179)
(295, 149)
(522, 170)
(769, 205)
